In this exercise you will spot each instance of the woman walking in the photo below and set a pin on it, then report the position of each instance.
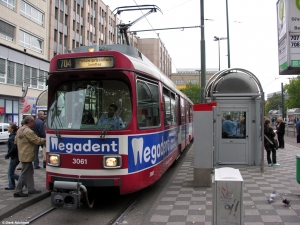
(13, 155)
(269, 137)
(280, 130)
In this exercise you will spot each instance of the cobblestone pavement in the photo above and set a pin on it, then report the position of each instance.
(181, 203)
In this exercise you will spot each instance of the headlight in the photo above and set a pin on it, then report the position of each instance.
(54, 159)
(112, 162)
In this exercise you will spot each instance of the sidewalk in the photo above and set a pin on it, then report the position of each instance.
(10, 205)
(181, 203)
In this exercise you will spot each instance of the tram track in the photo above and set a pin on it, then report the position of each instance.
(115, 219)
(128, 207)
(40, 215)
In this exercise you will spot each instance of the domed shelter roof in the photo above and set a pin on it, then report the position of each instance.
(233, 83)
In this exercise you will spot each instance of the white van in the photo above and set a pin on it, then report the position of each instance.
(3, 132)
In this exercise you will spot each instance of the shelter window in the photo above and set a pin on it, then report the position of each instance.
(234, 124)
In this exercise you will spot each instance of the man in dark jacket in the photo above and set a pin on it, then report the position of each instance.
(298, 131)
(13, 155)
(39, 130)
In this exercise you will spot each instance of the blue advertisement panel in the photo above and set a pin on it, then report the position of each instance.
(75, 145)
(149, 149)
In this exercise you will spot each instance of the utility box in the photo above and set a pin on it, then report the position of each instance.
(228, 197)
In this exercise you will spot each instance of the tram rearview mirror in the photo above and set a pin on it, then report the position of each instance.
(24, 90)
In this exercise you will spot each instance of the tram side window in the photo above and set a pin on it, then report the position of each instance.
(191, 113)
(187, 112)
(182, 111)
(147, 104)
(173, 109)
(169, 107)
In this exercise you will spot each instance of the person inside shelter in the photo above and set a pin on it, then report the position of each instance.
(228, 127)
(112, 118)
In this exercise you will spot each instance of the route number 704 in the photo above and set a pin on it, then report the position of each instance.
(295, 38)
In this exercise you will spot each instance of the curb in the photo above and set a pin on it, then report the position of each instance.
(10, 210)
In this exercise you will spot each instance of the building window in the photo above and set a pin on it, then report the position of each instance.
(55, 35)
(56, 13)
(192, 81)
(60, 38)
(7, 31)
(66, 20)
(10, 72)
(32, 13)
(8, 3)
(179, 82)
(34, 77)
(2, 70)
(41, 80)
(19, 74)
(61, 17)
(28, 41)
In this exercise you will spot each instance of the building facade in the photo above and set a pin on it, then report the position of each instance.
(33, 31)
(190, 75)
(23, 55)
(157, 53)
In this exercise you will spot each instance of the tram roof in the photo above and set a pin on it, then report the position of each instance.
(139, 61)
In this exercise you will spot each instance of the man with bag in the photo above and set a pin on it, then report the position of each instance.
(269, 144)
(27, 141)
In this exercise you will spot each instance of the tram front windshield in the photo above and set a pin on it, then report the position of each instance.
(90, 105)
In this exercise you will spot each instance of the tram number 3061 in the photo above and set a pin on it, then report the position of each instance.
(79, 161)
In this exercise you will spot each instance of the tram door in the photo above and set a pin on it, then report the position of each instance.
(232, 128)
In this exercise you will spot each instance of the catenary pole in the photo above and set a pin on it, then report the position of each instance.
(202, 49)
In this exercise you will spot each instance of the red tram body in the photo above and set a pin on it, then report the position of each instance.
(152, 125)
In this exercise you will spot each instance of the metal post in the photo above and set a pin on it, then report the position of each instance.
(218, 39)
(282, 99)
(219, 52)
(228, 47)
(203, 64)
(262, 166)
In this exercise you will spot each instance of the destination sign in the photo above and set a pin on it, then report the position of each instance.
(81, 63)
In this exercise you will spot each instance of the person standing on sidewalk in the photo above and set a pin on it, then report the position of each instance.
(298, 131)
(269, 139)
(13, 155)
(280, 130)
(40, 131)
(27, 141)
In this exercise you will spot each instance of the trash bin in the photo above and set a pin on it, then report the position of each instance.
(228, 196)
(298, 168)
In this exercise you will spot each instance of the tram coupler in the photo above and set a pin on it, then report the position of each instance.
(66, 194)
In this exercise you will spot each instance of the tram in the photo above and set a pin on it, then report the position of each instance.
(293, 115)
(114, 120)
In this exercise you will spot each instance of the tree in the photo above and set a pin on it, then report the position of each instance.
(273, 103)
(192, 91)
(293, 91)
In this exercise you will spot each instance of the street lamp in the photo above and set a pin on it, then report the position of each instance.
(218, 39)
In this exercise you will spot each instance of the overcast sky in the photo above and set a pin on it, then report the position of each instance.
(252, 32)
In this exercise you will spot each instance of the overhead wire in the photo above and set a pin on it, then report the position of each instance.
(157, 34)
